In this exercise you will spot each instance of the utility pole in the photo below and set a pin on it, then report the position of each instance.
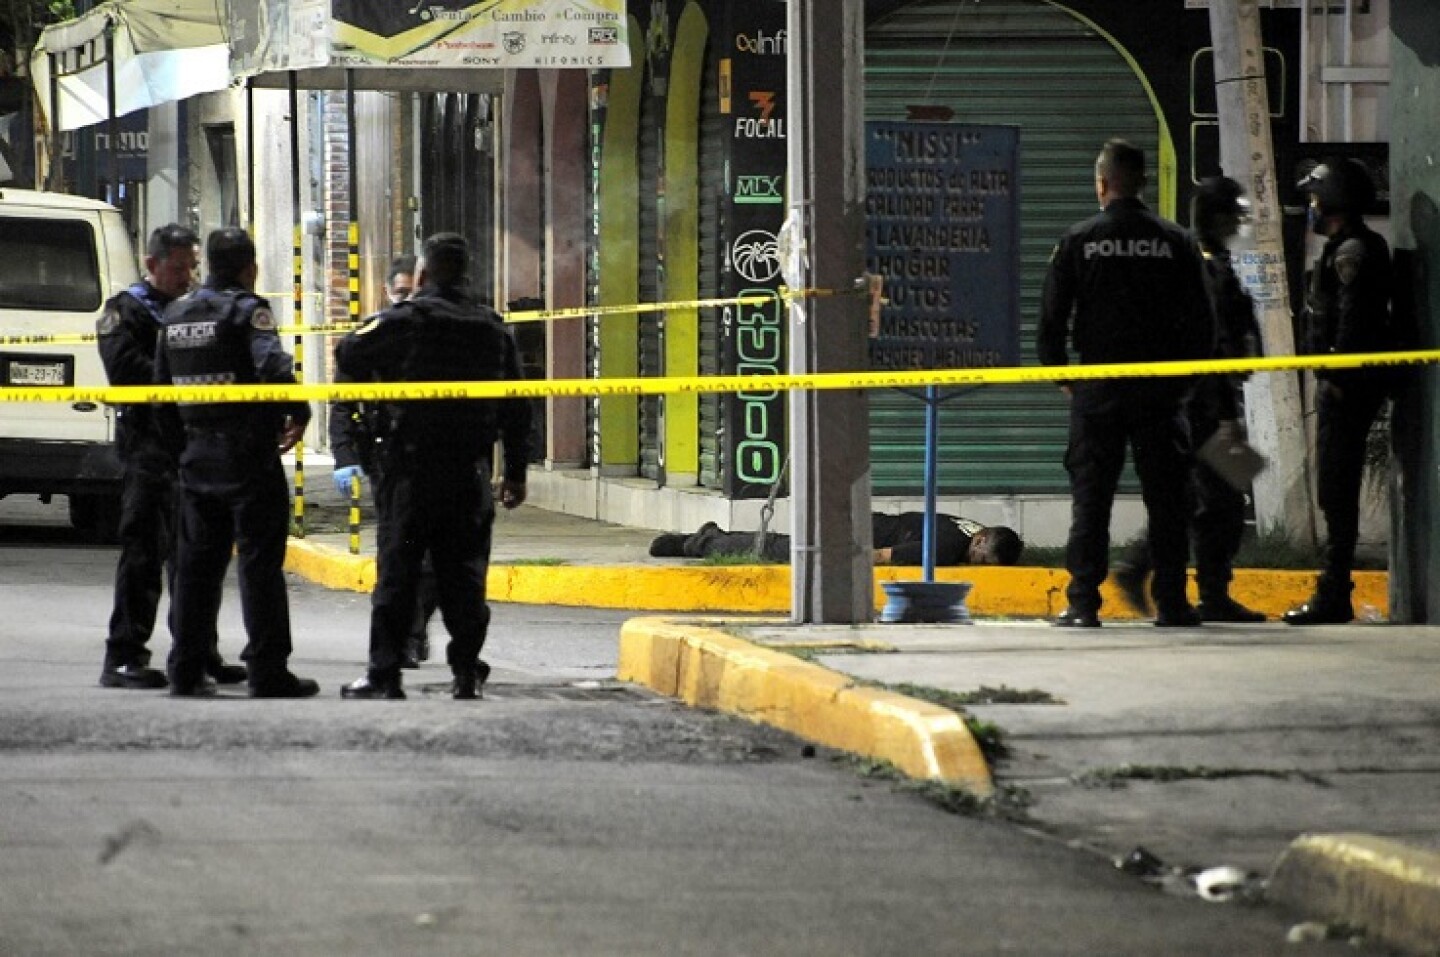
(832, 563)
(1272, 400)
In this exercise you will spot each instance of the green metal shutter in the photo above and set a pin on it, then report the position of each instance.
(1021, 63)
(712, 190)
(652, 348)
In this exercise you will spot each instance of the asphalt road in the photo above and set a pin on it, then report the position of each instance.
(562, 814)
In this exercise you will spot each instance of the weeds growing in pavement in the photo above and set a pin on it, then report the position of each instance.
(1118, 777)
(1007, 802)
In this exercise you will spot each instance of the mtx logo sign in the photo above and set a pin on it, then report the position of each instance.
(760, 190)
(604, 35)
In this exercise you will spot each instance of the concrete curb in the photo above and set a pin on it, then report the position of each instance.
(1018, 592)
(708, 668)
(1390, 890)
(329, 566)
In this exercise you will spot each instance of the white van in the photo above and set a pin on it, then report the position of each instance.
(61, 258)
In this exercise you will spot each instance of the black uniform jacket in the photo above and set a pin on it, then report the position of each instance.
(442, 335)
(1125, 286)
(224, 336)
(127, 333)
(1348, 302)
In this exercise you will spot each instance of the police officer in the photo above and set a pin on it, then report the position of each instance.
(233, 488)
(1126, 286)
(127, 332)
(433, 491)
(354, 433)
(1347, 309)
(1218, 523)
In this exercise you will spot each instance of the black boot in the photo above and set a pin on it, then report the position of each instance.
(1222, 607)
(1330, 605)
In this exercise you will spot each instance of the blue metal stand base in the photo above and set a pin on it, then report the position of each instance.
(926, 602)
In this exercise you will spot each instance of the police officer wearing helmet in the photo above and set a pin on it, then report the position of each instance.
(233, 487)
(1347, 310)
(1218, 523)
(1126, 286)
(127, 334)
(433, 490)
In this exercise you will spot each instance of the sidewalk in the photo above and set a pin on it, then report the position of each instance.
(1273, 749)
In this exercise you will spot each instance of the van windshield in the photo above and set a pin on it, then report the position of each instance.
(48, 265)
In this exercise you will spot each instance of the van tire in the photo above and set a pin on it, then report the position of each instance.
(97, 514)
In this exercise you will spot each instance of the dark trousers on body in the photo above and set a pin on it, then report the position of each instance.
(1344, 421)
(1148, 417)
(1216, 528)
(233, 497)
(444, 508)
(146, 535)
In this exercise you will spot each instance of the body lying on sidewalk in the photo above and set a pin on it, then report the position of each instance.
(898, 540)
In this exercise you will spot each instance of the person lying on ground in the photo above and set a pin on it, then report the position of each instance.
(898, 540)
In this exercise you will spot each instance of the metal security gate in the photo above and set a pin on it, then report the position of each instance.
(458, 188)
(712, 187)
(1023, 63)
(652, 346)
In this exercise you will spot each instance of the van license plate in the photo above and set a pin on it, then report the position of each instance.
(25, 373)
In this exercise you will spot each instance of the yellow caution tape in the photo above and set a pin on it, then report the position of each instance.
(579, 388)
(532, 315)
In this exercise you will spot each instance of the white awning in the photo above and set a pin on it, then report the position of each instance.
(163, 50)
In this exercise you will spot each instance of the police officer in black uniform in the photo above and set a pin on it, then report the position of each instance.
(1347, 310)
(127, 335)
(233, 487)
(1126, 286)
(354, 429)
(1218, 523)
(433, 493)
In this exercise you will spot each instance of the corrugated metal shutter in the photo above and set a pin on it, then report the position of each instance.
(712, 189)
(1027, 64)
(652, 349)
(592, 286)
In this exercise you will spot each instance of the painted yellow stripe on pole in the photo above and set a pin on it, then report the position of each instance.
(633, 386)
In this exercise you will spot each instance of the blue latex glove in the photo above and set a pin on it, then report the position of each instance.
(342, 477)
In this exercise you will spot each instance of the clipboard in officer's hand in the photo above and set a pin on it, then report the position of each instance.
(1231, 456)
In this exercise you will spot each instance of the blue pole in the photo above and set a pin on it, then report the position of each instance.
(932, 454)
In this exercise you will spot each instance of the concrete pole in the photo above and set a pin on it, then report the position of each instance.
(1273, 404)
(831, 558)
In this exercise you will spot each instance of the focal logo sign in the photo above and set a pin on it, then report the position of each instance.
(762, 190)
(755, 256)
(764, 126)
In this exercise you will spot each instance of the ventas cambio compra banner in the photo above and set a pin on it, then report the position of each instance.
(504, 34)
(269, 35)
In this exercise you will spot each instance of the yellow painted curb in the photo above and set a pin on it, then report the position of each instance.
(329, 566)
(1017, 592)
(707, 668)
(1390, 890)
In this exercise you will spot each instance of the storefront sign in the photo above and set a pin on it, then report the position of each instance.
(943, 230)
(272, 35)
